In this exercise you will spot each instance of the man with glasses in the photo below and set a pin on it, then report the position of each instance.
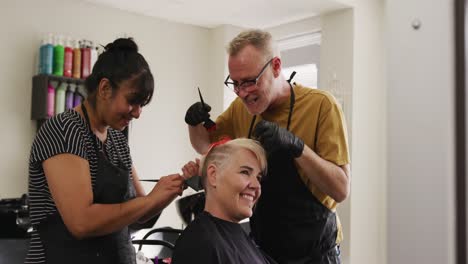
(304, 134)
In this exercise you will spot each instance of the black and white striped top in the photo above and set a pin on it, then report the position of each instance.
(67, 132)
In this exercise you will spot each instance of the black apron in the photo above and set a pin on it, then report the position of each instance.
(112, 185)
(289, 223)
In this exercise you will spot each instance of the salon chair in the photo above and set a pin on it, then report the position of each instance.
(14, 224)
(165, 238)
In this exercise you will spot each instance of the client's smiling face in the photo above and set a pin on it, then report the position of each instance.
(238, 186)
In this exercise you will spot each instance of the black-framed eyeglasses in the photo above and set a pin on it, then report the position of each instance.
(237, 87)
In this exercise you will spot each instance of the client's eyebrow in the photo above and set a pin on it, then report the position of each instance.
(247, 168)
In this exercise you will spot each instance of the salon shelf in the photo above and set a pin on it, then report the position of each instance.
(39, 93)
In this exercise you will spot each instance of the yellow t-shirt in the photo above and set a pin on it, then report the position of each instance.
(317, 119)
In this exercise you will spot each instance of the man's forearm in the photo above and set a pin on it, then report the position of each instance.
(330, 178)
(199, 138)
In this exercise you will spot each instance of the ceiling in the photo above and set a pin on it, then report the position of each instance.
(242, 13)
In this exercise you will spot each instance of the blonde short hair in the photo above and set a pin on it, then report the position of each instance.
(220, 155)
(260, 39)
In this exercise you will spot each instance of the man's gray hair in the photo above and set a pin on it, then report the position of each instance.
(260, 39)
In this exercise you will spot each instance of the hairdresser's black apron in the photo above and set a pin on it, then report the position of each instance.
(288, 222)
(112, 185)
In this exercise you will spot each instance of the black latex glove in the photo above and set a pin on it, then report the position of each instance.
(197, 113)
(272, 137)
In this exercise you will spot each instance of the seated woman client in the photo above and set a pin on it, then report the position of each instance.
(231, 172)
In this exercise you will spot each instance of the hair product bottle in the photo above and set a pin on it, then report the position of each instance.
(46, 55)
(69, 96)
(77, 97)
(68, 58)
(50, 100)
(58, 56)
(76, 69)
(85, 59)
(60, 98)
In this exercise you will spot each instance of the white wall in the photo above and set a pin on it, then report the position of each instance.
(312, 24)
(178, 56)
(368, 185)
(421, 173)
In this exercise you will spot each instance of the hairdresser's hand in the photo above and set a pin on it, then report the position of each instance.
(167, 189)
(272, 137)
(197, 113)
(191, 169)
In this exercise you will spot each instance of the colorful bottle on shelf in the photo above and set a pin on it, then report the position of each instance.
(77, 98)
(76, 69)
(60, 98)
(69, 96)
(85, 59)
(68, 58)
(46, 55)
(59, 53)
(50, 100)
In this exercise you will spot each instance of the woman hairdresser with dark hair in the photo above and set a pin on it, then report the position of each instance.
(83, 189)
